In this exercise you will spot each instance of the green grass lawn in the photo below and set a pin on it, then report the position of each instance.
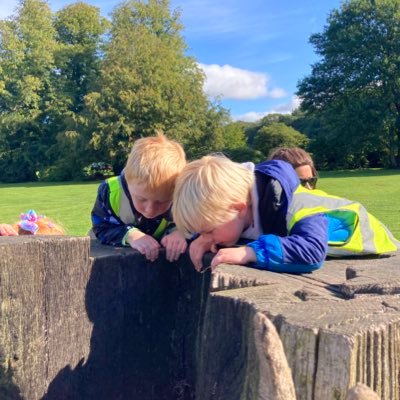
(70, 203)
(378, 190)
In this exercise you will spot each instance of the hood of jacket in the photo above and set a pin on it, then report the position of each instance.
(283, 172)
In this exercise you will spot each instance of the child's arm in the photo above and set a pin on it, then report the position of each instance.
(304, 250)
(241, 255)
(107, 227)
(198, 248)
(7, 230)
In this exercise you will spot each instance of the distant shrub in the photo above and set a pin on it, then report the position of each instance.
(98, 170)
(244, 154)
(54, 173)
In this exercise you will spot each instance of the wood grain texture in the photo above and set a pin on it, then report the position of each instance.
(331, 339)
(42, 296)
(81, 321)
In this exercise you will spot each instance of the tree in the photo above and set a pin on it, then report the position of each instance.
(68, 99)
(358, 71)
(148, 83)
(234, 136)
(277, 134)
(79, 32)
(251, 129)
(27, 44)
(79, 28)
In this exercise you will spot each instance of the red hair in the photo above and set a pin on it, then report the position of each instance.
(46, 227)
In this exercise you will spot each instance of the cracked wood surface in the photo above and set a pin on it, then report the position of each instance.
(339, 325)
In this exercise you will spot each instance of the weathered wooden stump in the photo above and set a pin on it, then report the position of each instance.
(338, 326)
(102, 323)
(112, 326)
(43, 323)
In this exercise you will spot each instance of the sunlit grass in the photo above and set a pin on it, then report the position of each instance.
(69, 204)
(378, 190)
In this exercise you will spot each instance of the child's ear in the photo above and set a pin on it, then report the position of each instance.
(241, 208)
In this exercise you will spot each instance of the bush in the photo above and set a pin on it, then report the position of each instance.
(244, 154)
(98, 170)
(278, 134)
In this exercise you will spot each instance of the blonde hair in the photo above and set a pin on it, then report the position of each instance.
(156, 162)
(206, 191)
(295, 156)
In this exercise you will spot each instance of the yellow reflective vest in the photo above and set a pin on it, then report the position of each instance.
(120, 204)
(362, 233)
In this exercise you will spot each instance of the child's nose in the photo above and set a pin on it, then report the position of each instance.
(150, 208)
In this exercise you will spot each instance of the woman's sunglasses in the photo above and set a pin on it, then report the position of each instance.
(309, 182)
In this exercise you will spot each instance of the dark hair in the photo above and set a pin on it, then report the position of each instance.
(295, 156)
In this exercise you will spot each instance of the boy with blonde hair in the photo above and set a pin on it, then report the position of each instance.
(287, 228)
(133, 209)
(225, 201)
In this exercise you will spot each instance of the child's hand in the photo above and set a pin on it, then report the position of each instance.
(7, 230)
(144, 244)
(235, 255)
(175, 244)
(198, 248)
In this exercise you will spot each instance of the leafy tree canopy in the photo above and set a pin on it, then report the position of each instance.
(27, 64)
(148, 83)
(359, 66)
(76, 88)
(277, 134)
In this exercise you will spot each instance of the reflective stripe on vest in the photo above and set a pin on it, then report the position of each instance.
(119, 201)
(121, 206)
(160, 229)
(367, 234)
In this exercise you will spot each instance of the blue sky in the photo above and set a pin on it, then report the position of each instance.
(253, 52)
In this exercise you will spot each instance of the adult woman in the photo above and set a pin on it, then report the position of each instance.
(301, 161)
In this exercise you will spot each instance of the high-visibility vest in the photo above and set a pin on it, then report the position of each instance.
(366, 234)
(121, 206)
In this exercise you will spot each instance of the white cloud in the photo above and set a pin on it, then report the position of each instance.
(277, 93)
(227, 82)
(286, 108)
(251, 116)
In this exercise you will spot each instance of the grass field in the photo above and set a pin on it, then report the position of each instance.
(378, 190)
(70, 203)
